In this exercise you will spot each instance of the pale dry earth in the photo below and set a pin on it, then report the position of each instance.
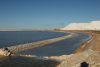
(89, 52)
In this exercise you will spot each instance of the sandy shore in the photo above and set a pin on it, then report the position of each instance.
(88, 52)
(93, 43)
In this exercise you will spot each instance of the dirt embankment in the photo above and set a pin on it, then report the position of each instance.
(93, 43)
(88, 52)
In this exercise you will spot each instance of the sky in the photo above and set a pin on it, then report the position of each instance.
(46, 14)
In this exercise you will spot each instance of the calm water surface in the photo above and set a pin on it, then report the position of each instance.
(63, 47)
(66, 46)
(21, 37)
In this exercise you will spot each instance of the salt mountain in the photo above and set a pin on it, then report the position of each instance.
(94, 25)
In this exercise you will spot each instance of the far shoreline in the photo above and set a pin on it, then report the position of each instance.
(85, 45)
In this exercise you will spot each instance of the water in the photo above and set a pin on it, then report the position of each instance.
(67, 46)
(21, 37)
(64, 47)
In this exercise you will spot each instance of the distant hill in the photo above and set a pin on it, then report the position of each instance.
(94, 25)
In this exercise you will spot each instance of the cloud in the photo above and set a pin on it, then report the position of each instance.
(94, 25)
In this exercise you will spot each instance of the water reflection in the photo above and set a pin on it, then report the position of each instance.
(20, 61)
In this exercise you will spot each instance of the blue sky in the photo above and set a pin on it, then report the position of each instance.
(46, 14)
